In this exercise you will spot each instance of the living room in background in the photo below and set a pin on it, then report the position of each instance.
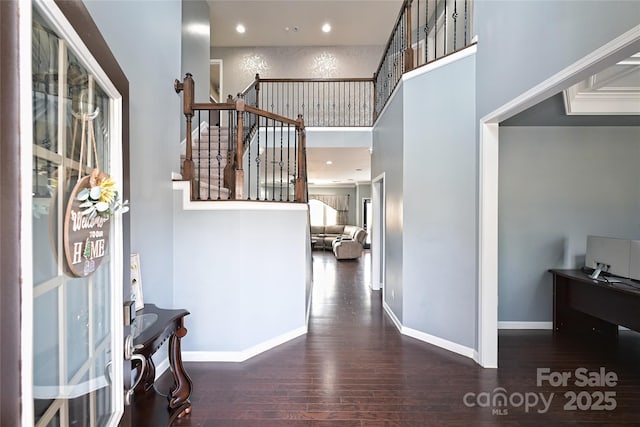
(329, 209)
(321, 213)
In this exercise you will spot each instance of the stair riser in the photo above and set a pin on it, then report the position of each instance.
(204, 193)
(206, 153)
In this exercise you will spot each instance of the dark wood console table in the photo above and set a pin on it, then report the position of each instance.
(154, 326)
(587, 305)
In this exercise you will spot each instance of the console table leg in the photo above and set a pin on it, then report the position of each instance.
(149, 375)
(180, 393)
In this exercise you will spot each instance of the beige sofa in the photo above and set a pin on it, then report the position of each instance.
(346, 241)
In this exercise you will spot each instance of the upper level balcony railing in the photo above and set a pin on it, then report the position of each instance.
(336, 102)
(425, 31)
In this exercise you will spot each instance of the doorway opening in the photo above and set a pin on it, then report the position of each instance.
(609, 54)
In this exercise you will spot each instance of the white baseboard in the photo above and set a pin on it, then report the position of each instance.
(392, 316)
(525, 325)
(242, 355)
(439, 342)
(430, 339)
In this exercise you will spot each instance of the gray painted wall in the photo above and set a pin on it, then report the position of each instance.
(242, 274)
(522, 43)
(387, 157)
(439, 209)
(195, 45)
(558, 185)
(145, 39)
(240, 65)
(509, 62)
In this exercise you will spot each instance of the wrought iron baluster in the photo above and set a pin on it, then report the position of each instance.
(426, 31)
(230, 144)
(280, 99)
(266, 159)
(288, 159)
(435, 31)
(209, 159)
(273, 163)
(258, 165)
(444, 30)
(219, 156)
(199, 154)
(295, 160)
(280, 164)
(465, 22)
(403, 38)
(417, 61)
(349, 117)
(257, 127)
(316, 101)
(287, 100)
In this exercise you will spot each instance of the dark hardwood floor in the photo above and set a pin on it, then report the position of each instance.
(354, 368)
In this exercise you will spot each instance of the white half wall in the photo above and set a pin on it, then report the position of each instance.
(243, 271)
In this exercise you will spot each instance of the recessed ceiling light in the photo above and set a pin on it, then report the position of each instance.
(240, 28)
(329, 162)
(326, 28)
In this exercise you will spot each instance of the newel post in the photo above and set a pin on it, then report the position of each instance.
(408, 52)
(187, 86)
(301, 179)
(239, 172)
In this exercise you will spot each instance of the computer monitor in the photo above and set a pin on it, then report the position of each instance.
(634, 261)
(609, 255)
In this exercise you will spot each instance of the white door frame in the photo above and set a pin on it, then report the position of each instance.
(378, 266)
(220, 78)
(66, 31)
(618, 49)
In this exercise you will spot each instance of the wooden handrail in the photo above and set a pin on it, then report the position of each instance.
(270, 115)
(318, 80)
(211, 106)
(405, 4)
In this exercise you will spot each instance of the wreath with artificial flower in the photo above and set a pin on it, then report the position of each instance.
(101, 197)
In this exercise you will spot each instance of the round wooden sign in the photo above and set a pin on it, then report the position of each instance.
(86, 238)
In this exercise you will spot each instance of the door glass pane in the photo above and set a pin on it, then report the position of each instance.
(72, 319)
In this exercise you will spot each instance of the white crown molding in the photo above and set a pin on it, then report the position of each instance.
(612, 91)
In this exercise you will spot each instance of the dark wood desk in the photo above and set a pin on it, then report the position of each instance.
(150, 408)
(583, 304)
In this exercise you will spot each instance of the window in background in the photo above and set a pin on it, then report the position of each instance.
(322, 214)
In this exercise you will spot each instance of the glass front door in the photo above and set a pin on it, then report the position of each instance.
(77, 286)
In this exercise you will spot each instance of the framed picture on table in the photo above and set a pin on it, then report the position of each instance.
(136, 282)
